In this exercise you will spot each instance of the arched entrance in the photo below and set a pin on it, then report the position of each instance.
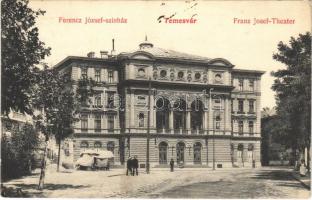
(163, 146)
(180, 152)
(197, 153)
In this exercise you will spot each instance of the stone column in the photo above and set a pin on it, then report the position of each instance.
(131, 108)
(115, 76)
(171, 121)
(188, 121)
(152, 124)
(210, 114)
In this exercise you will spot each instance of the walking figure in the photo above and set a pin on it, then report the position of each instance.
(129, 166)
(171, 165)
(135, 166)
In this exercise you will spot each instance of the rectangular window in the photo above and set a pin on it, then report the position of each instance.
(251, 85)
(84, 122)
(97, 101)
(84, 73)
(110, 76)
(251, 127)
(241, 84)
(240, 127)
(97, 75)
(97, 123)
(251, 106)
(241, 106)
(110, 99)
(110, 122)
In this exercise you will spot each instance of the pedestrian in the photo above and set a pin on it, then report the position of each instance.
(135, 165)
(171, 165)
(129, 166)
(303, 169)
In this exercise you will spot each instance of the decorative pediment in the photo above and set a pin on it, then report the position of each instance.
(142, 55)
(220, 62)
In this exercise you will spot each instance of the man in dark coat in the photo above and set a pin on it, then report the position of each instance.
(135, 166)
(129, 166)
(171, 165)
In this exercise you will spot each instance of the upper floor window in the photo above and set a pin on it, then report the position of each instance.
(84, 73)
(110, 122)
(218, 119)
(163, 73)
(241, 84)
(97, 75)
(141, 72)
(251, 106)
(97, 123)
(197, 76)
(240, 127)
(251, 84)
(251, 127)
(110, 76)
(240, 106)
(98, 100)
(84, 122)
(110, 99)
(180, 75)
(218, 78)
(141, 120)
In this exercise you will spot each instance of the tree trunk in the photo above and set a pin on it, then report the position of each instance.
(43, 167)
(59, 155)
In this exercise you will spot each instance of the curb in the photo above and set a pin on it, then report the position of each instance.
(307, 186)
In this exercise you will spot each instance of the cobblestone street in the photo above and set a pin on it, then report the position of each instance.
(183, 183)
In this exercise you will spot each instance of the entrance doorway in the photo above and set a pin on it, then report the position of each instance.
(180, 152)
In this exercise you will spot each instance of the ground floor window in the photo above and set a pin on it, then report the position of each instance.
(180, 152)
(197, 153)
(250, 152)
(240, 149)
(163, 146)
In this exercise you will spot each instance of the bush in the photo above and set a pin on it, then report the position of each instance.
(17, 152)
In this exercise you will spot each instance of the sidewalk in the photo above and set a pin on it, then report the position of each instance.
(305, 181)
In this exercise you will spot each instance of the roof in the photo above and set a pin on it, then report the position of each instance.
(248, 71)
(167, 53)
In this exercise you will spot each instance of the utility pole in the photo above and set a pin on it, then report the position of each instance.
(148, 127)
(213, 132)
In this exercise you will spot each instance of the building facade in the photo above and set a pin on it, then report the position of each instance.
(196, 110)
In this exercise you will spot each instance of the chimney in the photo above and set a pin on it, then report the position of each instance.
(91, 54)
(113, 52)
(104, 54)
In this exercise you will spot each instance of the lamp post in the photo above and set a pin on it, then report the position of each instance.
(148, 127)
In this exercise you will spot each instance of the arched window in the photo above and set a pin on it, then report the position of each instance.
(162, 114)
(179, 115)
(163, 146)
(141, 120)
(197, 110)
(218, 119)
(180, 152)
(197, 153)
(84, 144)
(97, 144)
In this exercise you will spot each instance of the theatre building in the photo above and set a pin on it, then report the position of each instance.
(201, 111)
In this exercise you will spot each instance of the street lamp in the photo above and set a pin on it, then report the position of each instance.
(148, 127)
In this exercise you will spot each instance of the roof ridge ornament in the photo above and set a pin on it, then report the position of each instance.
(146, 44)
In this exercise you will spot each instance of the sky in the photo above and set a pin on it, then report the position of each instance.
(216, 33)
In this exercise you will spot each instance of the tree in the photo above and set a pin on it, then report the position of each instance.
(21, 52)
(17, 151)
(293, 91)
(60, 99)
